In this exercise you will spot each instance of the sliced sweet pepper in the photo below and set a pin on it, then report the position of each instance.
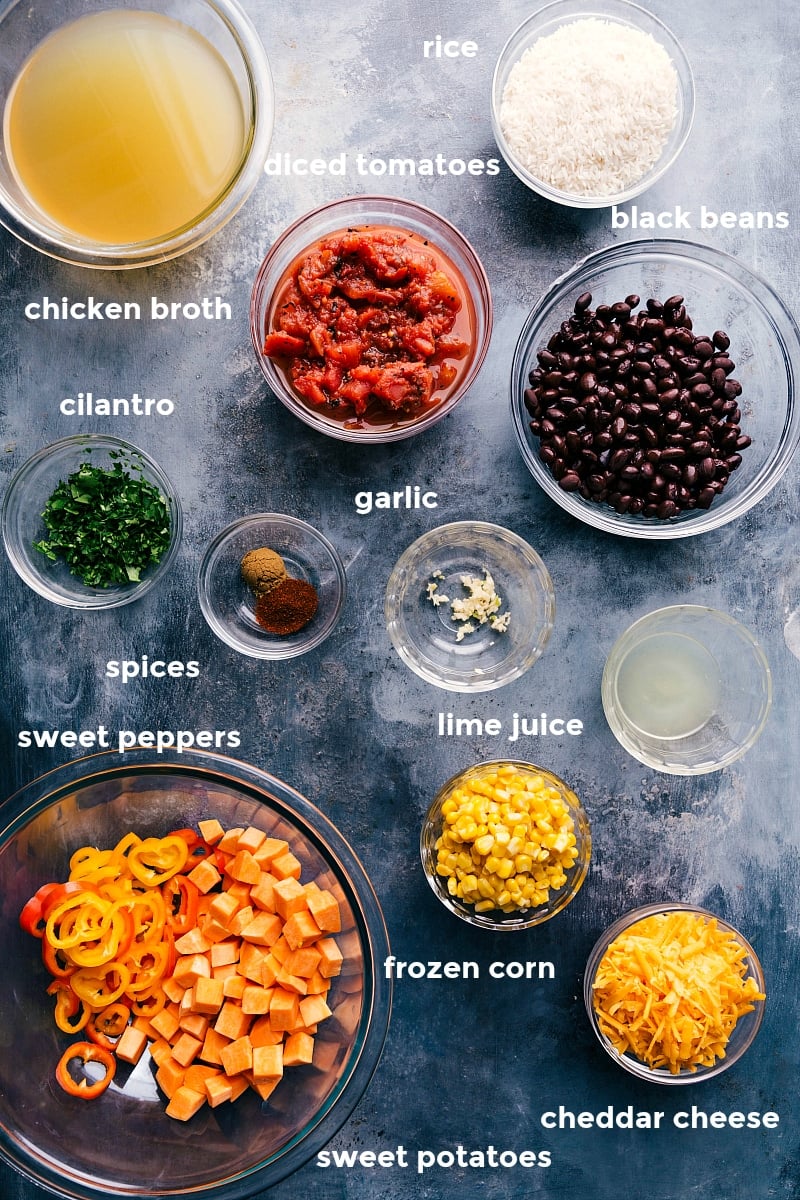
(72, 1073)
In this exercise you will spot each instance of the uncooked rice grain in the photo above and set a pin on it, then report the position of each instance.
(589, 108)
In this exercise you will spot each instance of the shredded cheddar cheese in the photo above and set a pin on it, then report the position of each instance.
(670, 990)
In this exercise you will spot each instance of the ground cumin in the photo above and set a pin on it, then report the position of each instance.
(287, 607)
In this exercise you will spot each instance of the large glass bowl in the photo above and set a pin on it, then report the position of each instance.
(230, 31)
(496, 919)
(743, 1033)
(27, 495)
(123, 1144)
(545, 22)
(423, 629)
(720, 293)
(359, 211)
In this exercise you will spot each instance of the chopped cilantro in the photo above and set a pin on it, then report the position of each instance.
(106, 525)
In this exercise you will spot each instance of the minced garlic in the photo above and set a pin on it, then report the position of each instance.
(481, 604)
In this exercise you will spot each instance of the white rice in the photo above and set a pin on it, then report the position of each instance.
(588, 109)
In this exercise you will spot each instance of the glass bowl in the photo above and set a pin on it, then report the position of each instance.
(544, 23)
(742, 1034)
(228, 604)
(423, 629)
(521, 918)
(27, 495)
(358, 212)
(123, 1144)
(720, 293)
(687, 690)
(224, 25)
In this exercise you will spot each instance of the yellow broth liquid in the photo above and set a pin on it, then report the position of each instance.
(124, 126)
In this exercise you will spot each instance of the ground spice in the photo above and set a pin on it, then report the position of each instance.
(287, 607)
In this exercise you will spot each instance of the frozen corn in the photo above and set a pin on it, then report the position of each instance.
(507, 842)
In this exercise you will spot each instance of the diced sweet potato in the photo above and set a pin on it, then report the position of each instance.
(267, 1062)
(237, 1056)
(131, 1045)
(185, 1103)
(324, 908)
(298, 1050)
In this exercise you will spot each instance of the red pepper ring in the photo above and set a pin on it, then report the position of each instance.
(76, 1058)
(32, 917)
(104, 1028)
(181, 897)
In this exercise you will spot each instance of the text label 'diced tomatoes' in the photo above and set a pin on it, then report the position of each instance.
(371, 325)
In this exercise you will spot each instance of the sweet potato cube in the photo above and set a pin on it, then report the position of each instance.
(165, 1023)
(251, 961)
(262, 1087)
(301, 929)
(264, 929)
(313, 1009)
(268, 1062)
(185, 1103)
(237, 1056)
(292, 983)
(239, 1084)
(169, 1076)
(243, 867)
(289, 897)
(240, 920)
(213, 930)
(270, 968)
(172, 990)
(212, 1047)
(197, 1074)
(186, 1049)
(208, 996)
(255, 1000)
(331, 961)
(229, 840)
(317, 984)
(233, 987)
(286, 866)
(223, 908)
(324, 908)
(159, 1050)
(232, 1023)
(224, 953)
(270, 849)
(280, 950)
(262, 894)
(298, 1050)
(192, 942)
(284, 1009)
(218, 1089)
(196, 1025)
(262, 1034)
(251, 839)
(211, 831)
(191, 968)
(303, 962)
(204, 876)
(131, 1045)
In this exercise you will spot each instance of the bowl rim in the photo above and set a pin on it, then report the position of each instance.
(523, 919)
(772, 308)
(395, 207)
(639, 18)
(281, 650)
(661, 1075)
(394, 598)
(35, 796)
(77, 251)
(93, 600)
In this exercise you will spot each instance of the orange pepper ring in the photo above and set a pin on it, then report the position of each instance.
(85, 1088)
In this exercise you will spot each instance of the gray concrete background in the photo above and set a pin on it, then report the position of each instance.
(349, 725)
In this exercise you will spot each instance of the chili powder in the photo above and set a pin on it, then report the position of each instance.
(287, 607)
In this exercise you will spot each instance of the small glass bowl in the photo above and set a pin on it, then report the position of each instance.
(124, 1144)
(27, 495)
(496, 919)
(706, 705)
(424, 634)
(360, 211)
(545, 22)
(230, 31)
(743, 1032)
(720, 293)
(228, 604)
